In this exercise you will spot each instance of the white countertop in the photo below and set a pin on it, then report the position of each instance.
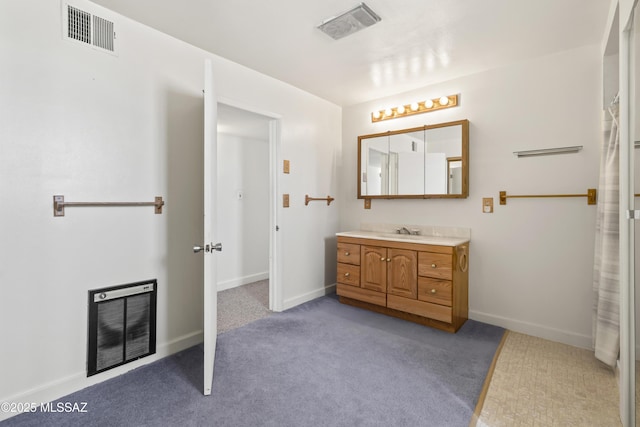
(423, 239)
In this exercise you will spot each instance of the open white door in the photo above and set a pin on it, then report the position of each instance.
(210, 227)
(628, 214)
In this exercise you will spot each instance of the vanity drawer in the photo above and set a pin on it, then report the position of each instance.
(348, 274)
(439, 266)
(434, 290)
(366, 295)
(421, 308)
(349, 253)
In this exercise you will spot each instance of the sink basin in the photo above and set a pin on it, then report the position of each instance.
(400, 236)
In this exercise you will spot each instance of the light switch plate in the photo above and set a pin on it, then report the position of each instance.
(58, 209)
(285, 200)
(487, 205)
(285, 166)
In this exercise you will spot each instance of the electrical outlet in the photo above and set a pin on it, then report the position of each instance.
(285, 166)
(285, 200)
(487, 205)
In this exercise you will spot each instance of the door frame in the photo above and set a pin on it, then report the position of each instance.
(276, 299)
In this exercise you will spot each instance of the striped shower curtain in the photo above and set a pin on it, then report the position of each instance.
(606, 275)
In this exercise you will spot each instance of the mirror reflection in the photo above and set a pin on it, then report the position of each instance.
(425, 162)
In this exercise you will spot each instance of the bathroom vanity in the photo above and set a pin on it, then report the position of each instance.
(421, 278)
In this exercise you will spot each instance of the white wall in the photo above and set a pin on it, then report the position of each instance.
(95, 127)
(243, 166)
(531, 261)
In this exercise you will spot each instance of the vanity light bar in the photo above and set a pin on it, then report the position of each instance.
(415, 108)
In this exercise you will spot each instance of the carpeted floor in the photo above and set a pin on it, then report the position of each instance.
(321, 363)
(242, 305)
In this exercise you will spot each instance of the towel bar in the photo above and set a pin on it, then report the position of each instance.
(591, 196)
(59, 204)
(308, 199)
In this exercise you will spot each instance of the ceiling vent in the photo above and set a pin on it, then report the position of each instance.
(87, 28)
(349, 22)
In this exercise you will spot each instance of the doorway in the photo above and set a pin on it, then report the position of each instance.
(247, 212)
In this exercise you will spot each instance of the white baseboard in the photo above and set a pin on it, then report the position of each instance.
(64, 386)
(239, 281)
(540, 331)
(301, 299)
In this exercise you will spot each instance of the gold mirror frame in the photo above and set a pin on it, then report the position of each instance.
(464, 126)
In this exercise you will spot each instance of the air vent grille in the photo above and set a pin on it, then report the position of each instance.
(79, 25)
(349, 22)
(103, 33)
(88, 28)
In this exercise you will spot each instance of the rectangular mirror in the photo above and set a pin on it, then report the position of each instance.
(425, 162)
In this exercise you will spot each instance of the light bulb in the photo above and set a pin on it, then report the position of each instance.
(444, 100)
(414, 106)
(376, 114)
(400, 109)
(388, 112)
(428, 103)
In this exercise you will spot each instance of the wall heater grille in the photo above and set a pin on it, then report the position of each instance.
(122, 325)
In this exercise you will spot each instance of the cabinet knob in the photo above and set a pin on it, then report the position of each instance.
(433, 291)
(346, 274)
(382, 259)
(347, 254)
(433, 266)
(388, 259)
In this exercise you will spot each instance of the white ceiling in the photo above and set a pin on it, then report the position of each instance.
(417, 43)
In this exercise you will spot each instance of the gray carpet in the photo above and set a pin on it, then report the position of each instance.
(318, 364)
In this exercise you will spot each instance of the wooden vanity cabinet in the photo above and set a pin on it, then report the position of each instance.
(423, 283)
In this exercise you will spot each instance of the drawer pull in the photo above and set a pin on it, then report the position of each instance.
(388, 259)
(347, 274)
(433, 291)
(382, 259)
(433, 266)
(347, 254)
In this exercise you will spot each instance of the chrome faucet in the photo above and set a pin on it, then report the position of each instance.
(403, 230)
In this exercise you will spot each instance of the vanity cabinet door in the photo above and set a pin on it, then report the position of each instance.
(373, 268)
(402, 272)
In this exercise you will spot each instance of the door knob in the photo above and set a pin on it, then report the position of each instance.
(208, 248)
